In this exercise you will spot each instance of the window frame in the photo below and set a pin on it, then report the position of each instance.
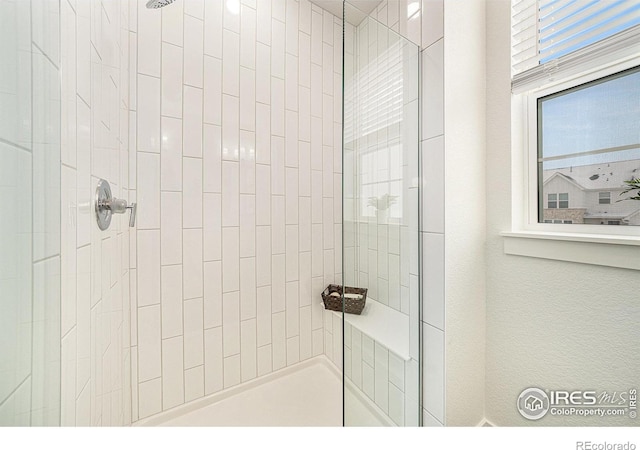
(560, 201)
(525, 126)
(600, 198)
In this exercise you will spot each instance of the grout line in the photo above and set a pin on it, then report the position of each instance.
(15, 390)
(16, 146)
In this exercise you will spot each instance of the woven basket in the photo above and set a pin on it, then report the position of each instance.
(351, 305)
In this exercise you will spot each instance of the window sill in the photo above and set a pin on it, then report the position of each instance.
(602, 250)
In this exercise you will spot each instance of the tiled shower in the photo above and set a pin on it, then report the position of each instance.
(244, 221)
(222, 121)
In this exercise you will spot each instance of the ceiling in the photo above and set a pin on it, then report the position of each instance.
(356, 10)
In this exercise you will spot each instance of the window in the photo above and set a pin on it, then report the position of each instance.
(588, 143)
(558, 221)
(576, 86)
(563, 201)
(575, 106)
(557, 201)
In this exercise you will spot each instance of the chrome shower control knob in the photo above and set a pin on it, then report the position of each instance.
(107, 205)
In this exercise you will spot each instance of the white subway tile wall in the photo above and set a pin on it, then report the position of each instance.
(234, 126)
(96, 269)
(403, 16)
(433, 223)
(381, 232)
(31, 247)
(225, 264)
(422, 22)
(388, 380)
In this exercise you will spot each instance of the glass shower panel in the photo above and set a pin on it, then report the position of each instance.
(380, 224)
(30, 222)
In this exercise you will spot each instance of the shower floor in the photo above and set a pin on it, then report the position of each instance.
(307, 394)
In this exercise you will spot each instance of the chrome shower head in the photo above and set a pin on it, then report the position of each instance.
(155, 4)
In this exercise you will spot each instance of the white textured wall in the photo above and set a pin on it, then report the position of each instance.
(95, 319)
(237, 175)
(465, 202)
(551, 324)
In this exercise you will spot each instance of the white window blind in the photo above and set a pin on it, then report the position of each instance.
(561, 37)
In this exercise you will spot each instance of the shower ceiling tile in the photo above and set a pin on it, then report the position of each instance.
(356, 10)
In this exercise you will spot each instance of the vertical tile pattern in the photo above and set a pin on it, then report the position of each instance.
(389, 381)
(90, 131)
(381, 239)
(433, 217)
(130, 95)
(98, 352)
(233, 201)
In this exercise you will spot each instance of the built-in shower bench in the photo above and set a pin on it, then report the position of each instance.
(383, 324)
(378, 367)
